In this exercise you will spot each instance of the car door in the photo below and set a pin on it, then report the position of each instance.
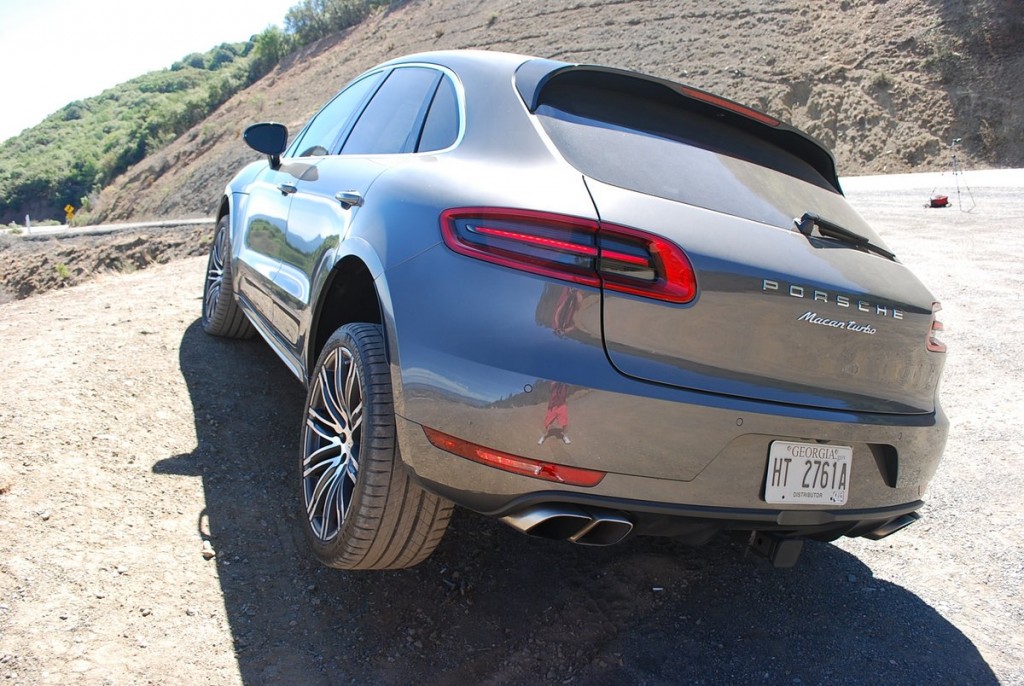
(263, 236)
(264, 233)
(323, 209)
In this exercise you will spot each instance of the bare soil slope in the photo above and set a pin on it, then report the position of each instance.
(33, 265)
(886, 83)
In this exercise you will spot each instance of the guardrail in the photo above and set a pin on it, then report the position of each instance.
(65, 230)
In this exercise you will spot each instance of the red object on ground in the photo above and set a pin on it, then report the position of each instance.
(939, 201)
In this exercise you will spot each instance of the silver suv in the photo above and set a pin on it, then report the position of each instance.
(586, 301)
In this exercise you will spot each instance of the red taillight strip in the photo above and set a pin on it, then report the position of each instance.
(506, 258)
(565, 246)
(728, 105)
(675, 280)
(625, 258)
(934, 344)
(548, 471)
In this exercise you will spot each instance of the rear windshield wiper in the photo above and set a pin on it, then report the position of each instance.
(827, 229)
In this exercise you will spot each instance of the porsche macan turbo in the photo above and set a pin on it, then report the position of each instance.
(586, 301)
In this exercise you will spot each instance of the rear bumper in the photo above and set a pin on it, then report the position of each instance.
(727, 495)
(501, 370)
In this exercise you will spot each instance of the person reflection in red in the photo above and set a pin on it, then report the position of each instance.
(556, 419)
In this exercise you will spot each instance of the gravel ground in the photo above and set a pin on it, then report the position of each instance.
(148, 532)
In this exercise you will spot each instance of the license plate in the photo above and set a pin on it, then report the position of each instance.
(808, 473)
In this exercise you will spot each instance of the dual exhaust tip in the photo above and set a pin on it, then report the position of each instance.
(570, 523)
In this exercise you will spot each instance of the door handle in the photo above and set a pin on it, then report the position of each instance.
(287, 188)
(348, 199)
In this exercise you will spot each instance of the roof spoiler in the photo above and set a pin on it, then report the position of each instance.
(534, 76)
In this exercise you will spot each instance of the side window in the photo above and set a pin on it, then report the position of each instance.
(442, 125)
(391, 122)
(322, 133)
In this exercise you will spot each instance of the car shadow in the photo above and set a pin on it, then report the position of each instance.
(493, 606)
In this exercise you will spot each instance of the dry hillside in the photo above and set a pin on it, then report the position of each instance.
(886, 83)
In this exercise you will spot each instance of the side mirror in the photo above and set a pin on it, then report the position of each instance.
(269, 138)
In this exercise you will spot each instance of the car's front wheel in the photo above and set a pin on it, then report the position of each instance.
(221, 314)
(361, 509)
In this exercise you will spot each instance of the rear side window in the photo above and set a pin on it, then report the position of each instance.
(442, 125)
(391, 122)
(321, 135)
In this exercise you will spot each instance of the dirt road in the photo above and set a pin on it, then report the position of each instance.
(133, 448)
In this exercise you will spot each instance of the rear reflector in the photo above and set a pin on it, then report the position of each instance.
(573, 249)
(572, 476)
(934, 344)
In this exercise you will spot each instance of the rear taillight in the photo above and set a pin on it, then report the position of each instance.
(573, 249)
(934, 344)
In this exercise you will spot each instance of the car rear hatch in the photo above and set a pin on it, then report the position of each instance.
(814, 312)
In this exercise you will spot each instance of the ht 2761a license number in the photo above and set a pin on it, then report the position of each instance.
(808, 473)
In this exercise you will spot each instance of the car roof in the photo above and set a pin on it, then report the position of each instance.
(532, 75)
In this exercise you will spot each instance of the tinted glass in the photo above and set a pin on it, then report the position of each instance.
(391, 122)
(322, 133)
(442, 125)
(662, 148)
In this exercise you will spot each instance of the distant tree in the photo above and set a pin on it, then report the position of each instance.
(269, 47)
(308, 21)
(196, 59)
(220, 57)
(311, 20)
(73, 110)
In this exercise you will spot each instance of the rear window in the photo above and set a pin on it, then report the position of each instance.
(644, 136)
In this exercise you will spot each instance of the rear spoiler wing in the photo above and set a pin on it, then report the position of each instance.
(534, 76)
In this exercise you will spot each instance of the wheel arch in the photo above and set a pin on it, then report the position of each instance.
(350, 294)
(225, 208)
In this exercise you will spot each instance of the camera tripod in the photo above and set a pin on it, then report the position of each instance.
(958, 170)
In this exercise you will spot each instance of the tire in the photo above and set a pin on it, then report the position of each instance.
(360, 508)
(221, 314)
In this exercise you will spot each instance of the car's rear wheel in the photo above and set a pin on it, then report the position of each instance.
(221, 314)
(361, 509)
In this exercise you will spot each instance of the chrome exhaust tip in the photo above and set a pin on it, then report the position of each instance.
(607, 528)
(569, 523)
(549, 521)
